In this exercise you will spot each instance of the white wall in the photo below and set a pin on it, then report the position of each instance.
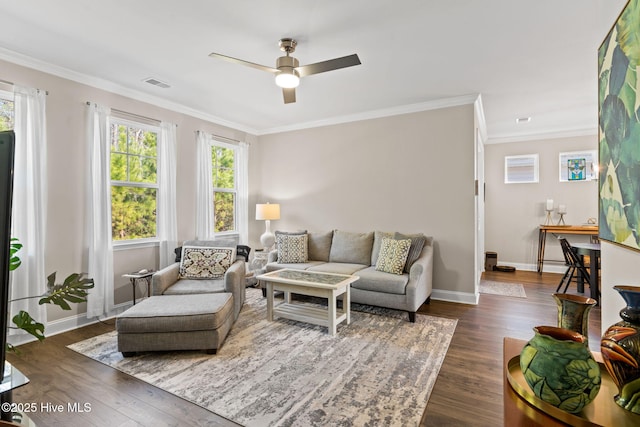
(66, 175)
(513, 212)
(408, 173)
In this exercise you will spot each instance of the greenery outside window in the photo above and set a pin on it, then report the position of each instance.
(225, 188)
(134, 180)
(6, 111)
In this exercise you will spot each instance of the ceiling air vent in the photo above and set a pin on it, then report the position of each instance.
(156, 82)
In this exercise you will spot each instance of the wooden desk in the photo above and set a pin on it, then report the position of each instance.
(584, 230)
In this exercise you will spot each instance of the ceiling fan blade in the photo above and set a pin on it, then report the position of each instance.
(331, 64)
(243, 62)
(289, 95)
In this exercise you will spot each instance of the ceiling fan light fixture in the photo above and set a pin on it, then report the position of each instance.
(288, 78)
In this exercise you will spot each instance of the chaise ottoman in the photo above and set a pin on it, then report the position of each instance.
(176, 322)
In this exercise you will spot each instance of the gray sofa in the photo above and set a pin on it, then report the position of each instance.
(357, 254)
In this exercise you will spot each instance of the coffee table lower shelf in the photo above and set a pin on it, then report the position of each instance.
(302, 313)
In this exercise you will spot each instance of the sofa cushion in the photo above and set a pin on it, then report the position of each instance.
(176, 313)
(417, 243)
(377, 242)
(354, 248)
(202, 262)
(378, 281)
(199, 286)
(218, 242)
(338, 267)
(393, 255)
(320, 246)
(292, 248)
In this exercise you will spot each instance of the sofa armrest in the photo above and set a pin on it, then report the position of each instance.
(420, 283)
(164, 278)
(273, 256)
(235, 282)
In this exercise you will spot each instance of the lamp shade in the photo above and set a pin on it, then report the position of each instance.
(267, 211)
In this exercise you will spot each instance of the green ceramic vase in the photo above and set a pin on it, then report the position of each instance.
(560, 369)
(573, 313)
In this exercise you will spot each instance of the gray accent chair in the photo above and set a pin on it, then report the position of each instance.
(168, 282)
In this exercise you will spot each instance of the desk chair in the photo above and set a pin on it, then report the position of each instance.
(575, 265)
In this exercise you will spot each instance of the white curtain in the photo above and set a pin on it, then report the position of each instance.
(100, 248)
(30, 201)
(242, 164)
(204, 188)
(167, 216)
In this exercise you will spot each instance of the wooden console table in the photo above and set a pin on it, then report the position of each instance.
(584, 230)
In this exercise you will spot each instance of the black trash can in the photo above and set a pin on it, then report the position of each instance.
(490, 261)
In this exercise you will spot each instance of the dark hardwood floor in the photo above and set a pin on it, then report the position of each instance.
(468, 391)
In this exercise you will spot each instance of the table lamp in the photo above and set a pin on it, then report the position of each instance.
(267, 212)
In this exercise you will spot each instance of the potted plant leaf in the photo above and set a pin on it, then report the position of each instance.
(74, 290)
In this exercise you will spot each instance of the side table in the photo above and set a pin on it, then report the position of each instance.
(143, 276)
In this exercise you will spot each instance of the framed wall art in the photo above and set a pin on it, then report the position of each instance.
(619, 130)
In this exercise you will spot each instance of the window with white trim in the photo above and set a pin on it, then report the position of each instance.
(225, 188)
(521, 169)
(578, 166)
(134, 180)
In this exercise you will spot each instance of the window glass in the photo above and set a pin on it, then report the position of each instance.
(223, 160)
(578, 166)
(134, 185)
(521, 169)
(6, 111)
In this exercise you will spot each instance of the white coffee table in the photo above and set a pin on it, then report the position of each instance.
(312, 283)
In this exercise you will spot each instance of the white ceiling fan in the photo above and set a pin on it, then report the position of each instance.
(288, 70)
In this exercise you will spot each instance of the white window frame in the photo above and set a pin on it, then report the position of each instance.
(510, 163)
(591, 171)
(147, 241)
(217, 143)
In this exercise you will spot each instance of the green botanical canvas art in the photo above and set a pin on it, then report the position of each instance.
(619, 130)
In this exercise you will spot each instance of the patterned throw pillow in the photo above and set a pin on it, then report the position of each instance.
(201, 262)
(393, 255)
(292, 248)
(417, 243)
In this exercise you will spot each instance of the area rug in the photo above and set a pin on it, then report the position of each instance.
(378, 370)
(502, 288)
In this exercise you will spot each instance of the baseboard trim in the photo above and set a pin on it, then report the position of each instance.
(66, 324)
(455, 296)
(547, 268)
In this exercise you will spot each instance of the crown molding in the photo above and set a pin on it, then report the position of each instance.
(109, 86)
(106, 85)
(552, 134)
(375, 114)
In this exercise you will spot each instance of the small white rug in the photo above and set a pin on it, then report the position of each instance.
(378, 370)
(502, 288)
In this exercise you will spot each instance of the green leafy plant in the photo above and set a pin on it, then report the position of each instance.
(74, 289)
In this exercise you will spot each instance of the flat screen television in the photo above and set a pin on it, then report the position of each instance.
(7, 150)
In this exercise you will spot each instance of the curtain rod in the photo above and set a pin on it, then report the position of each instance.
(221, 137)
(7, 82)
(133, 115)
